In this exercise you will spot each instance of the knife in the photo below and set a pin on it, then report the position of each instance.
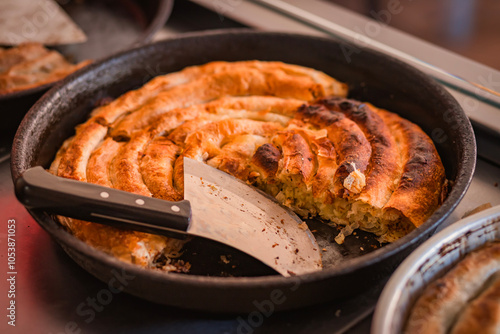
(216, 206)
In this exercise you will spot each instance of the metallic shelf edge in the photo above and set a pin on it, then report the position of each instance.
(473, 84)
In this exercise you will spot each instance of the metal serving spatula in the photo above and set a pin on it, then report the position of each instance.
(217, 206)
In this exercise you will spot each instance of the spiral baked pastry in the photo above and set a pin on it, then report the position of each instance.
(286, 129)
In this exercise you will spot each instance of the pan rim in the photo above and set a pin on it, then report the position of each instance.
(465, 172)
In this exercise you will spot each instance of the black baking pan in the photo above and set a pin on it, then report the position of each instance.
(358, 264)
(111, 26)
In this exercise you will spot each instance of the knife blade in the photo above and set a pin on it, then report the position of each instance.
(227, 210)
(217, 206)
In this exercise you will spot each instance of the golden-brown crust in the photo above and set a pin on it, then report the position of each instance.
(265, 160)
(351, 145)
(157, 168)
(130, 246)
(235, 153)
(326, 157)
(237, 79)
(383, 171)
(125, 167)
(441, 303)
(205, 143)
(99, 161)
(73, 163)
(419, 192)
(262, 123)
(297, 157)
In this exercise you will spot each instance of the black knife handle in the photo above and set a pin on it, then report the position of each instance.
(38, 189)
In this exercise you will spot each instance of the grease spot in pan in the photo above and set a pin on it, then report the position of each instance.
(205, 255)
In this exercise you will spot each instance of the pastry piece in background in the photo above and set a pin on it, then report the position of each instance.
(30, 65)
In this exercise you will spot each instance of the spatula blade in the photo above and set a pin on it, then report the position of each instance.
(228, 210)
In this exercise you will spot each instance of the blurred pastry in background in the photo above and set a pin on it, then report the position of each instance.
(30, 65)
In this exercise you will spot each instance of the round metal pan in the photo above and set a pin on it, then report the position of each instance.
(427, 263)
(101, 25)
(372, 77)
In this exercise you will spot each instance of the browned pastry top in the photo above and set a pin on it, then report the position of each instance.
(286, 129)
(30, 65)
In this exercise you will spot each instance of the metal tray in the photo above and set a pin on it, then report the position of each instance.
(427, 263)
